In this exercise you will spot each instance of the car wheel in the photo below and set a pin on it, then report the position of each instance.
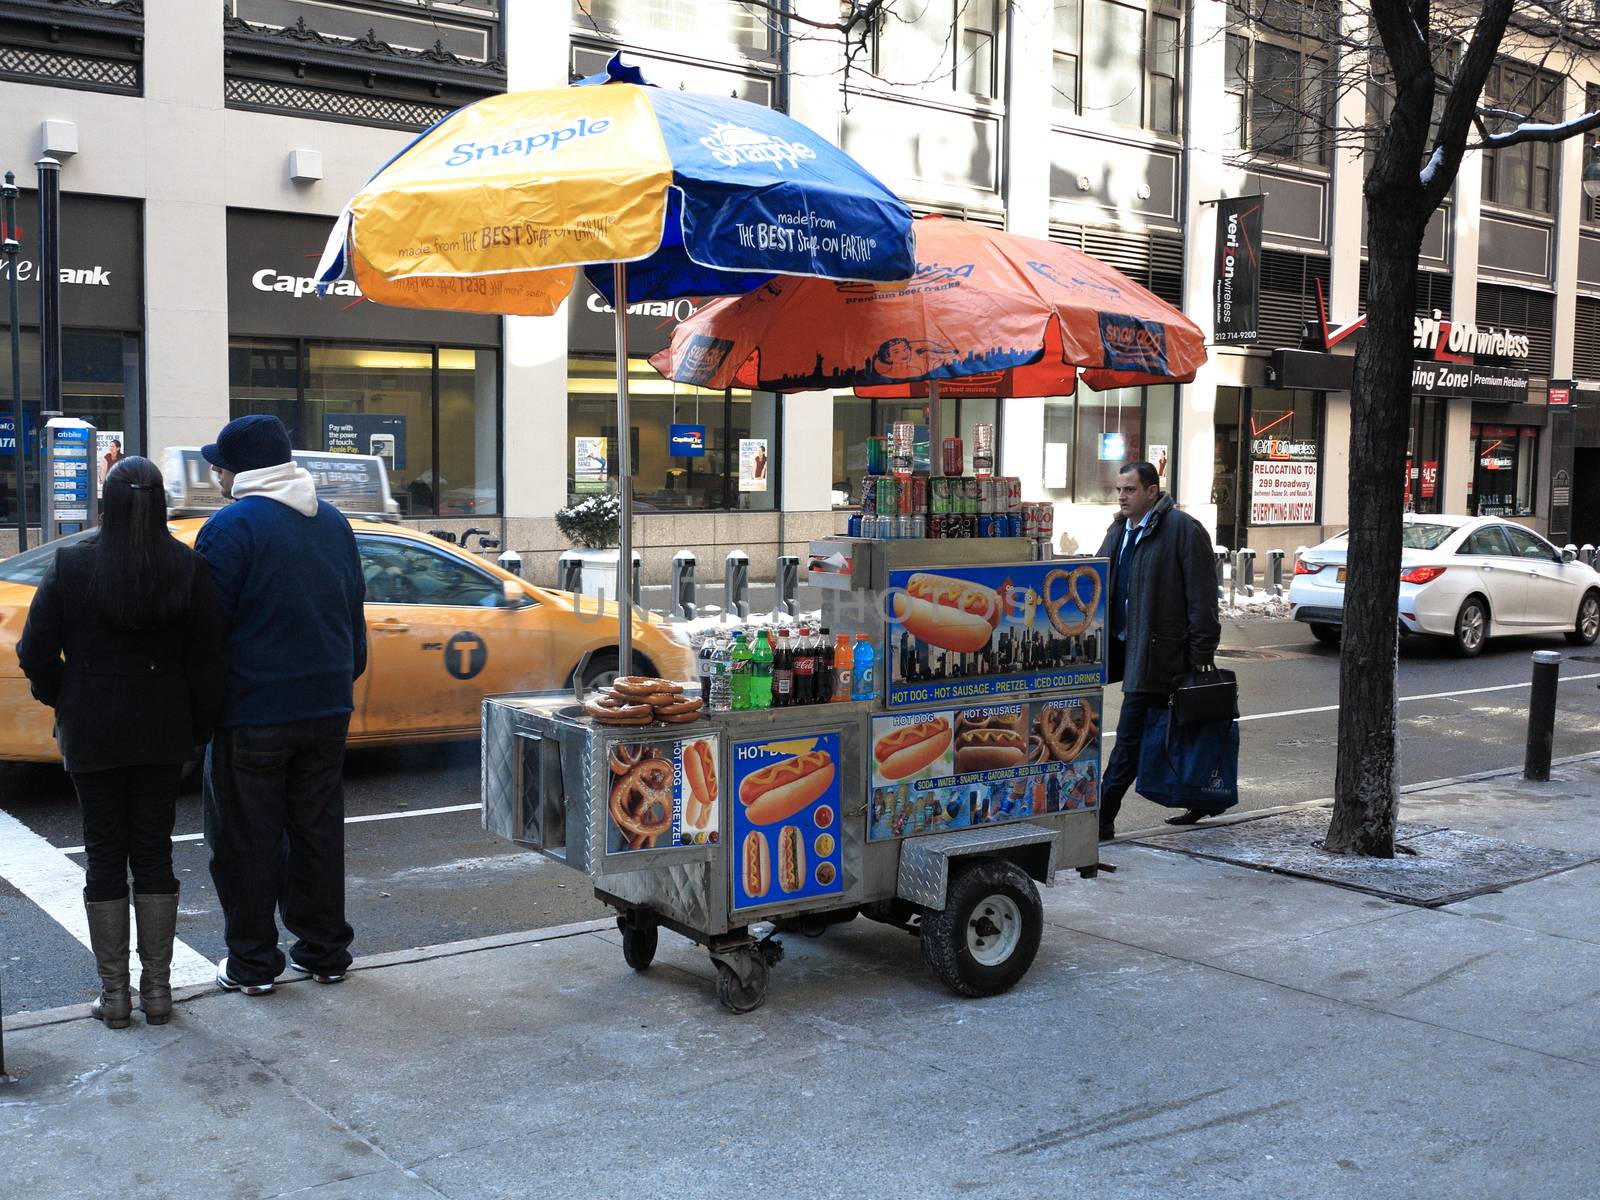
(1472, 627)
(1328, 635)
(1587, 629)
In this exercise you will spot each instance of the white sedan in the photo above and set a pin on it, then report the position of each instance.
(1464, 578)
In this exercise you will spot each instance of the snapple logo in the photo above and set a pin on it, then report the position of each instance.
(463, 153)
(732, 145)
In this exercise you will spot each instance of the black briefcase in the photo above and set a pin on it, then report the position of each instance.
(1203, 697)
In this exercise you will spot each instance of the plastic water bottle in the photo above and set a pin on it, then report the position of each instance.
(740, 669)
(720, 674)
(864, 681)
(761, 672)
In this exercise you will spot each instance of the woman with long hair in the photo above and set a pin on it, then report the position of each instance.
(124, 641)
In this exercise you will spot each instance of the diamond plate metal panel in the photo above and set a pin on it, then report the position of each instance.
(498, 774)
(925, 861)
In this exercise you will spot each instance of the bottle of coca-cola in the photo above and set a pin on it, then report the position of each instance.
(805, 667)
(783, 672)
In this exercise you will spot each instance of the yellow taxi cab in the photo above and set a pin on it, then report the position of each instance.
(445, 627)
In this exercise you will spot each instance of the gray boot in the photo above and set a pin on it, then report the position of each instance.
(108, 938)
(157, 921)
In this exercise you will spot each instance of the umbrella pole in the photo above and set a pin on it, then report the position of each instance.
(619, 302)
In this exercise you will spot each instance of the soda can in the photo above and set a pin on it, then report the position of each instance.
(1015, 520)
(936, 525)
(919, 526)
(877, 456)
(854, 529)
(888, 495)
(919, 495)
(939, 489)
(1013, 493)
(903, 527)
(869, 496)
(986, 495)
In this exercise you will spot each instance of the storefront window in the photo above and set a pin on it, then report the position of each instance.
(1090, 435)
(736, 431)
(431, 412)
(1268, 459)
(100, 383)
(1504, 458)
(1424, 456)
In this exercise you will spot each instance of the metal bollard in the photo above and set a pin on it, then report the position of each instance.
(683, 564)
(1542, 716)
(569, 572)
(1244, 569)
(736, 584)
(1587, 553)
(510, 560)
(1275, 572)
(638, 601)
(787, 598)
(1220, 553)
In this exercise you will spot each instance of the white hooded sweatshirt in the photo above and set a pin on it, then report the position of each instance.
(288, 483)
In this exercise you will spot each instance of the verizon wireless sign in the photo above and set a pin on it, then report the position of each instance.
(1462, 341)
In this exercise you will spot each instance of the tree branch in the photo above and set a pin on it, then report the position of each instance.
(1535, 131)
(1461, 105)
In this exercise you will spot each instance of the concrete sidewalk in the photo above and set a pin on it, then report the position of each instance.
(1190, 1028)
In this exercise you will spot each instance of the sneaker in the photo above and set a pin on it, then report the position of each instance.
(228, 984)
(317, 976)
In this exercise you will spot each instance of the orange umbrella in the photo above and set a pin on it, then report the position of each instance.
(987, 313)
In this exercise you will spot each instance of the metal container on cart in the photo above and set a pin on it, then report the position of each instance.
(802, 817)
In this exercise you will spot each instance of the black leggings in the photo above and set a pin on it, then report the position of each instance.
(127, 825)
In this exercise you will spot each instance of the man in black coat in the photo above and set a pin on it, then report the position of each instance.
(1162, 615)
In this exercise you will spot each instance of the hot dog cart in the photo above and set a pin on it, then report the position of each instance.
(936, 806)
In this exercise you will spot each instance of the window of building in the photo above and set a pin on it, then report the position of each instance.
(1525, 311)
(1277, 77)
(432, 411)
(101, 375)
(1425, 456)
(947, 44)
(719, 22)
(1591, 204)
(1267, 463)
(1521, 176)
(663, 478)
(1089, 435)
(1117, 62)
(1504, 458)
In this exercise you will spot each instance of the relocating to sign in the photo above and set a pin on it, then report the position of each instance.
(1283, 493)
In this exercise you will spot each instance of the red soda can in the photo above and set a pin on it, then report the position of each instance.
(953, 457)
(919, 495)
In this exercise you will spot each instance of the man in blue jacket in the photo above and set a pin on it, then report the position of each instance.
(289, 578)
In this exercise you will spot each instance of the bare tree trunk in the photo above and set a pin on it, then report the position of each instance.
(1367, 784)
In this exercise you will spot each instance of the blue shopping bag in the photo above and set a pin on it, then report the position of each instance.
(1189, 766)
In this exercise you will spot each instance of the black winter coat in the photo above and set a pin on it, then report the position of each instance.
(122, 697)
(1172, 598)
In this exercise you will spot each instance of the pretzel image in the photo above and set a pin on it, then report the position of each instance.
(1066, 731)
(1053, 606)
(626, 758)
(641, 802)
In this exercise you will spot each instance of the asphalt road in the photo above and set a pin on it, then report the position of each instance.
(419, 878)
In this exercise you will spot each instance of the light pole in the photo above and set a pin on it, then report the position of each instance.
(11, 247)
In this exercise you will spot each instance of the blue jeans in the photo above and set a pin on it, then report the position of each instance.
(273, 811)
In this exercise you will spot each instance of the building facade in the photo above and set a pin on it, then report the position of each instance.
(206, 149)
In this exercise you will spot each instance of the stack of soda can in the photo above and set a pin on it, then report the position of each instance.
(938, 506)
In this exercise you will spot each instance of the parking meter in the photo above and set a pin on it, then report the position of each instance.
(71, 494)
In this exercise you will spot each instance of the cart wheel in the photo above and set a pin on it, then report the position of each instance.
(735, 996)
(639, 943)
(985, 937)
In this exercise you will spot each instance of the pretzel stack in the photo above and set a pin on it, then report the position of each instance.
(636, 700)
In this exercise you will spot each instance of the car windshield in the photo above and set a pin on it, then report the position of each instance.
(30, 566)
(1420, 536)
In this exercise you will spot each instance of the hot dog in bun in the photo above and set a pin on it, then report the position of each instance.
(791, 859)
(950, 613)
(906, 750)
(785, 787)
(700, 770)
(755, 864)
(990, 749)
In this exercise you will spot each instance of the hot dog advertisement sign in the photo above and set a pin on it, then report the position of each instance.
(786, 820)
(965, 634)
(937, 771)
(662, 794)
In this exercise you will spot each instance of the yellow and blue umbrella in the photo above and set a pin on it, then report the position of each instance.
(657, 194)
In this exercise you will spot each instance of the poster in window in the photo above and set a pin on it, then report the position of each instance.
(1158, 458)
(589, 463)
(1237, 281)
(752, 464)
(108, 449)
(1283, 492)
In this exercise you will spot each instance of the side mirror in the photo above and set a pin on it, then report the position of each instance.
(511, 594)
(1569, 556)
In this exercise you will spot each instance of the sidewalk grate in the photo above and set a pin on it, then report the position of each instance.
(1448, 865)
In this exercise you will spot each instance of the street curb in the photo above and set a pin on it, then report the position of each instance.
(372, 962)
(1256, 814)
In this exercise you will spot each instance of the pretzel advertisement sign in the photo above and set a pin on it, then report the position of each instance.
(966, 634)
(998, 763)
(786, 840)
(661, 794)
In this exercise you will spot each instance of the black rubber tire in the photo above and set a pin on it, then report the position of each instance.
(944, 933)
(737, 998)
(1589, 604)
(639, 943)
(1460, 640)
(1328, 635)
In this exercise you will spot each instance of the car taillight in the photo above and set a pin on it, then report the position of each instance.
(1421, 574)
(1301, 567)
